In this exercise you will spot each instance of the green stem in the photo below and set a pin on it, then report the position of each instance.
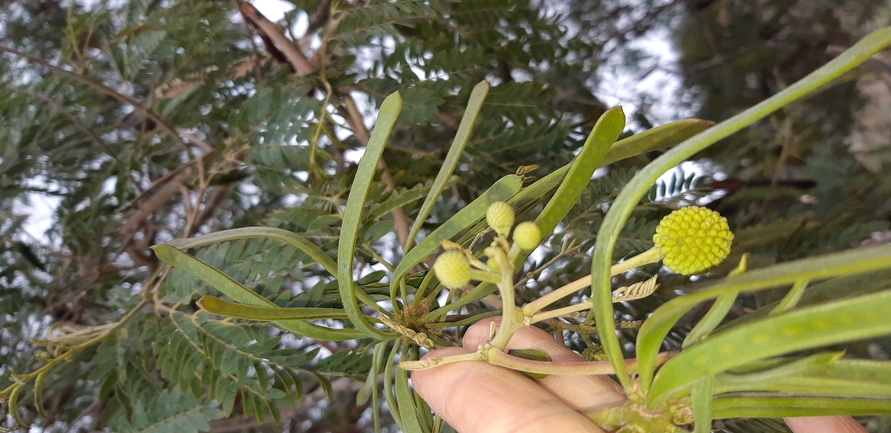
(574, 368)
(538, 317)
(433, 362)
(419, 294)
(650, 256)
(509, 319)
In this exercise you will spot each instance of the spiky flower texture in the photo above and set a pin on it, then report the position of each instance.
(693, 239)
(500, 216)
(453, 269)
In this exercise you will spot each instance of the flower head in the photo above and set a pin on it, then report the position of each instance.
(527, 235)
(693, 239)
(453, 269)
(500, 216)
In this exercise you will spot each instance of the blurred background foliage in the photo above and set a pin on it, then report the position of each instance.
(130, 123)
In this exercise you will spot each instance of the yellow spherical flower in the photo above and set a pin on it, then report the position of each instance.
(693, 239)
(527, 235)
(500, 216)
(453, 269)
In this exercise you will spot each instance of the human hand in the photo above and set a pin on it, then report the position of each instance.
(478, 397)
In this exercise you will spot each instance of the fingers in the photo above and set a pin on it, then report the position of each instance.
(825, 424)
(477, 397)
(585, 393)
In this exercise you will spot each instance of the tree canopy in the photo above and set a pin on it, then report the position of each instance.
(146, 121)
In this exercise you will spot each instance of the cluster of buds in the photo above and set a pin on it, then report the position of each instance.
(456, 266)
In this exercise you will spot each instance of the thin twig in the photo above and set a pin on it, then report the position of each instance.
(104, 89)
(563, 253)
(74, 120)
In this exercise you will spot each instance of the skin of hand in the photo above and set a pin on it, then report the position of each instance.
(477, 397)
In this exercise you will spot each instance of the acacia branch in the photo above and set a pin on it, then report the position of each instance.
(307, 402)
(74, 120)
(156, 201)
(295, 58)
(139, 107)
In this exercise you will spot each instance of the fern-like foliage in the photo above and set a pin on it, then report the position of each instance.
(129, 124)
(233, 360)
(169, 412)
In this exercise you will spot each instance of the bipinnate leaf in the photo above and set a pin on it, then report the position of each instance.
(170, 412)
(239, 292)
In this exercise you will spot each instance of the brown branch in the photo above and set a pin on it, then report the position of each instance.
(139, 107)
(319, 18)
(258, 73)
(448, 120)
(295, 58)
(161, 180)
(156, 201)
(211, 204)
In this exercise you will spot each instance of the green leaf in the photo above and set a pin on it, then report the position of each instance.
(640, 185)
(701, 400)
(285, 236)
(657, 138)
(452, 158)
(237, 291)
(779, 406)
(712, 319)
(655, 328)
(406, 402)
(533, 354)
(389, 382)
(791, 299)
(215, 305)
(589, 159)
(352, 216)
(832, 323)
(847, 286)
(502, 190)
(821, 374)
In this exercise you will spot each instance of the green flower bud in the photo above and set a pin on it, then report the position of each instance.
(453, 269)
(693, 239)
(500, 216)
(527, 235)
